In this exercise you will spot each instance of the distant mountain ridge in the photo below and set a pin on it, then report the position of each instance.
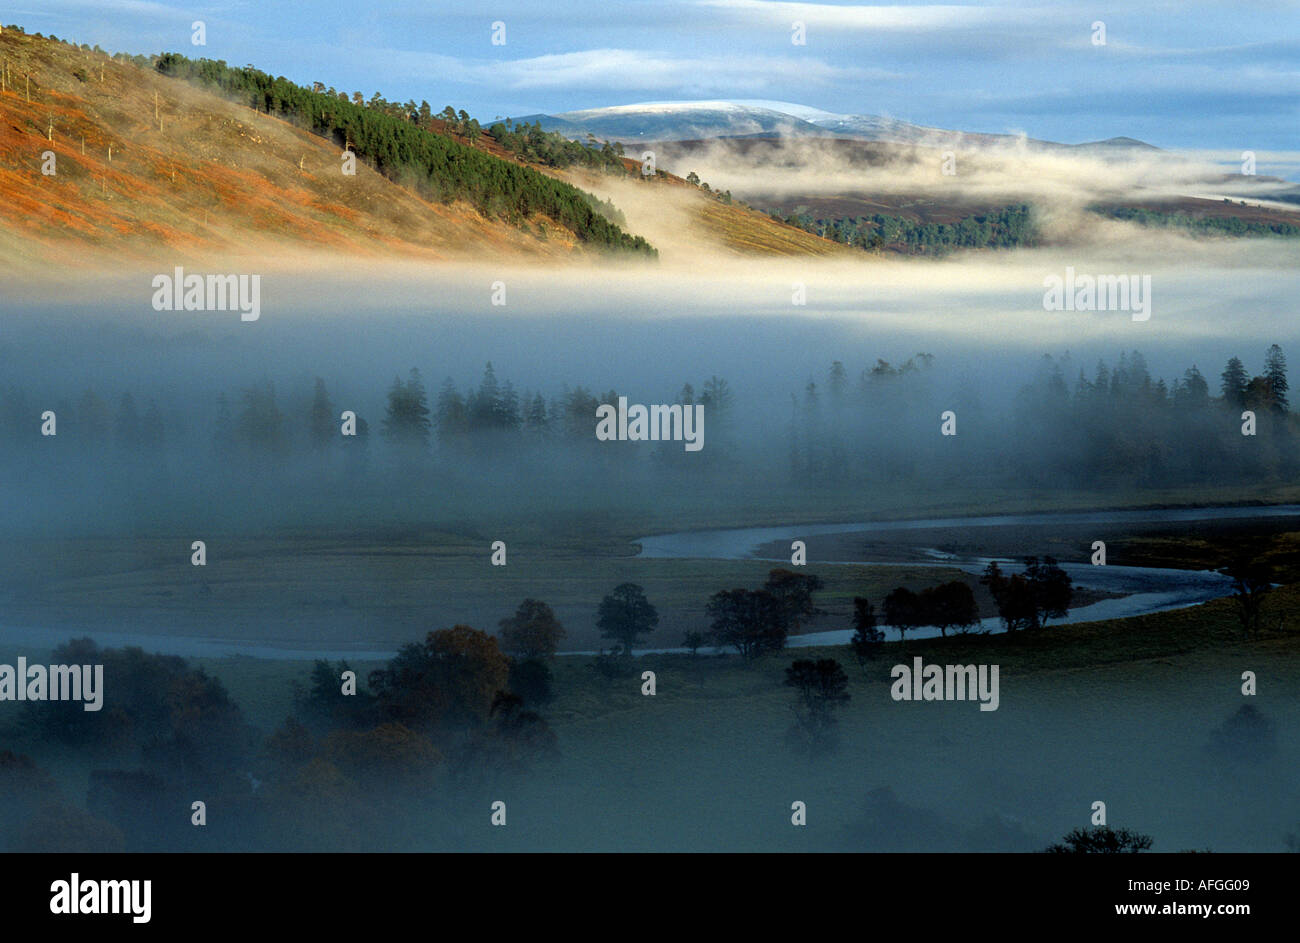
(647, 122)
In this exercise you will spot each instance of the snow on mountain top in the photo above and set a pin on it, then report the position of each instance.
(686, 107)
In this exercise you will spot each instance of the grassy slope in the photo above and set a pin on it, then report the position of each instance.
(209, 176)
(215, 177)
(688, 217)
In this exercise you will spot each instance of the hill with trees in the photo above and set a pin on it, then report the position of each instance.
(116, 157)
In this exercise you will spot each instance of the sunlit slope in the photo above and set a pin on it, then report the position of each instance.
(145, 164)
(683, 221)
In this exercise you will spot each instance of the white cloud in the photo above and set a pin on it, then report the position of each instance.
(625, 69)
(859, 17)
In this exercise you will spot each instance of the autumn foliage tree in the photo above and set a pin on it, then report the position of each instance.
(445, 682)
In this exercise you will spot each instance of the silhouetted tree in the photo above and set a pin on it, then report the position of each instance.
(949, 605)
(625, 615)
(1250, 584)
(753, 621)
(533, 631)
(1233, 384)
(151, 428)
(795, 593)
(1275, 374)
(1101, 839)
(903, 610)
(867, 640)
(693, 640)
(1050, 589)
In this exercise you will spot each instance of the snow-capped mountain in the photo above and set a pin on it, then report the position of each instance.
(695, 120)
(665, 121)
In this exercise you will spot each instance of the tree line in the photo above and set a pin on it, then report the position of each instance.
(1119, 424)
(1196, 222)
(529, 142)
(259, 420)
(1004, 228)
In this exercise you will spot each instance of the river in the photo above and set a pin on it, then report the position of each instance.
(1145, 589)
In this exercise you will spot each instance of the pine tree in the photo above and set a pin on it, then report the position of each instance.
(1275, 373)
(1194, 391)
(507, 411)
(449, 415)
(1233, 383)
(535, 418)
(406, 420)
(485, 413)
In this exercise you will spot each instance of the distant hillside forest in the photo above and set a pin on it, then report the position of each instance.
(553, 149)
(1008, 227)
(389, 136)
(1227, 225)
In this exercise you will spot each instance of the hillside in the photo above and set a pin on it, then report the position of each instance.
(680, 218)
(203, 175)
(148, 164)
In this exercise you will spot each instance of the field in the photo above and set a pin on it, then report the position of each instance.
(1120, 712)
(375, 589)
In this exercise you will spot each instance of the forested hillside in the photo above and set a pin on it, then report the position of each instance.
(440, 167)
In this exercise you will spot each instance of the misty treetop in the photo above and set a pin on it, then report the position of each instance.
(1067, 426)
(1113, 425)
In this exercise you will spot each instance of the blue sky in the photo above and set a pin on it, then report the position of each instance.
(1177, 74)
